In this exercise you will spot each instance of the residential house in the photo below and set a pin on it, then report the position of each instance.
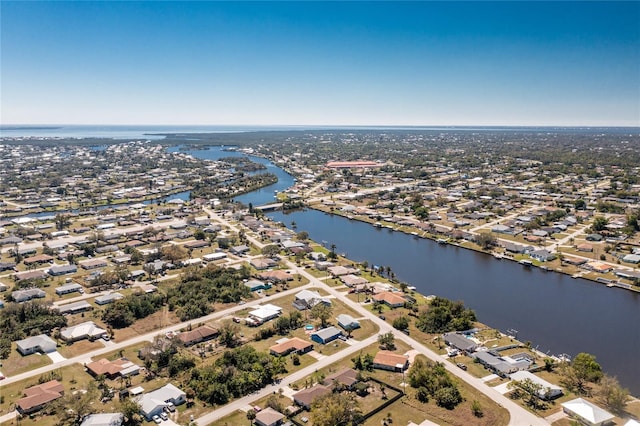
(85, 330)
(105, 299)
(346, 377)
(69, 288)
(351, 280)
(103, 419)
(153, 403)
(586, 412)
(338, 271)
(294, 345)
(255, 285)
(307, 299)
(40, 343)
(347, 322)
(542, 255)
(261, 263)
(58, 270)
(386, 360)
(93, 264)
(112, 369)
(27, 294)
(305, 397)
(326, 335)
(36, 397)
(74, 308)
(276, 276)
(239, 250)
(391, 299)
(41, 258)
(269, 417)
(197, 335)
(460, 342)
(264, 313)
(501, 365)
(547, 390)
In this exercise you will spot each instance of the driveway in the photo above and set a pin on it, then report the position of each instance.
(56, 357)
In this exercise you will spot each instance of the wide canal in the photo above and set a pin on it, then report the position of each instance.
(556, 313)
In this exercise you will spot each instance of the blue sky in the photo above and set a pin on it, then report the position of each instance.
(361, 63)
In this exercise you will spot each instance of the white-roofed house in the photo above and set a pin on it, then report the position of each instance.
(265, 313)
(103, 419)
(41, 343)
(85, 330)
(547, 391)
(587, 412)
(307, 299)
(153, 403)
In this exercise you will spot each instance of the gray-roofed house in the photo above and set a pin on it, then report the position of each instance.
(239, 249)
(103, 419)
(255, 285)
(460, 342)
(62, 270)
(153, 403)
(307, 299)
(69, 288)
(108, 298)
(27, 294)
(74, 308)
(502, 366)
(40, 343)
(542, 255)
(326, 335)
(347, 322)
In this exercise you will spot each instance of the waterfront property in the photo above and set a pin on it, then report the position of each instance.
(460, 342)
(586, 412)
(547, 390)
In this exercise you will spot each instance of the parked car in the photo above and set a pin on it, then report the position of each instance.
(462, 366)
(156, 419)
(164, 415)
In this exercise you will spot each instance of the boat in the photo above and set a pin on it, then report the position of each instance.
(442, 241)
(526, 263)
(497, 255)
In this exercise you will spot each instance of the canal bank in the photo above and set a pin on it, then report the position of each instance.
(555, 312)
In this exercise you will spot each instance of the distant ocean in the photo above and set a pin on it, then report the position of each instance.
(145, 132)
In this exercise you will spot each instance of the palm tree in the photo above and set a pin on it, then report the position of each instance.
(251, 415)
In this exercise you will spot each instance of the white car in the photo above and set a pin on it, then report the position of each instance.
(156, 419)
(164, 415)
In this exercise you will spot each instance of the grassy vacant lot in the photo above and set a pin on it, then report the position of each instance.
(80, 347)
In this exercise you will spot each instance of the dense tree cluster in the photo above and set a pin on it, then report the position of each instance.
(336, 409)
(199, 289)
(124, 312)
(18, 321)
(432, 381)
(445, 315)
(236, 373)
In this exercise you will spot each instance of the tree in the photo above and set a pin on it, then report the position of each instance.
(387, 340)
(251, 415)
(72, 407)
(582, 369)
(401, 323)
(486, 240)
(448, 397)
(332, 254)
(529, 389)
(174, 253)
(270, 250)
(614, 396)
(302, 236)
(335, 409)
(62, 221)
(599, 223)
(130, 409)
(229, 333)
(322, 311)
(444, 315)
(476, 409)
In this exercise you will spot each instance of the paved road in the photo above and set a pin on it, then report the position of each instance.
(518, 415)
(144, 337)
(301, 374)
